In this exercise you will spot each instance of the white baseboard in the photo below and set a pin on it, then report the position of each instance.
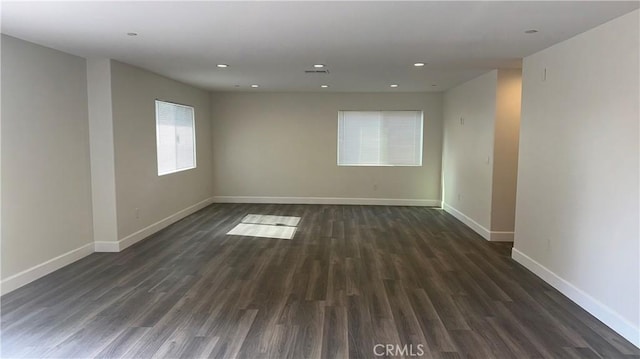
(149, 230)
(495, 236)
(605, 314)
(29, 275)
(477, 227)
(329, 200)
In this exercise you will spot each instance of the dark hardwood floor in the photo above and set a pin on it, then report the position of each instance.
(352, 277)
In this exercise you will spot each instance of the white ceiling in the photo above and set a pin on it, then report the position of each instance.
(366, 45)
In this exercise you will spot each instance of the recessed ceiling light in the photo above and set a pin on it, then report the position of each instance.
(255, 86)
(532, 31)
(324, 86)
(318, 66)
(222, 66)
(132, 34)
(433, 85)
(394, 85)
(418, 64)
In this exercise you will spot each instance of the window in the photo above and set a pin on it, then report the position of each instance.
(175, 137)
(380, 138)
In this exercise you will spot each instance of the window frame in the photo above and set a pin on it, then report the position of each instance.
(193, 133)
(421, 152)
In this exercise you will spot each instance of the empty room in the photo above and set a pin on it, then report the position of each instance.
(320, 179)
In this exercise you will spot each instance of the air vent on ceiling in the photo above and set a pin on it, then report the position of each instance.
(316, 71)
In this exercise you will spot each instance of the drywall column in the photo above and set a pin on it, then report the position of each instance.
(103, 183)
(505, 154)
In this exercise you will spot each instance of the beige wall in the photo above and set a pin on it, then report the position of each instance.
(577, 205)
(138, 185)
(505, 150)
(46, 186)
(468, 147)
(285, 145)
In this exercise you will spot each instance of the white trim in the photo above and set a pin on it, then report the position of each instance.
(29, 275)
(495, 236)
(605, 314)
(149, 230)
(328, 200)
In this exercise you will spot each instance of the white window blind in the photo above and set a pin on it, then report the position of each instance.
(175, 137)
(380, 138)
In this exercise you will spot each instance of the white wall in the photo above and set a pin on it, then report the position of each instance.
(156, 199)
(46, 186)
(284, 146)
(468, 148)
(577, 204)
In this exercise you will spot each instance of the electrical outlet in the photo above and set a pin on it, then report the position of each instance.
(459, 197)
(375, 187)
(137, 213)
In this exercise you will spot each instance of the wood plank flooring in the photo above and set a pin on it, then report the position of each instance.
(353, 277)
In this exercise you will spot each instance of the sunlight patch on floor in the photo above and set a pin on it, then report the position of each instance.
(266, 226)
